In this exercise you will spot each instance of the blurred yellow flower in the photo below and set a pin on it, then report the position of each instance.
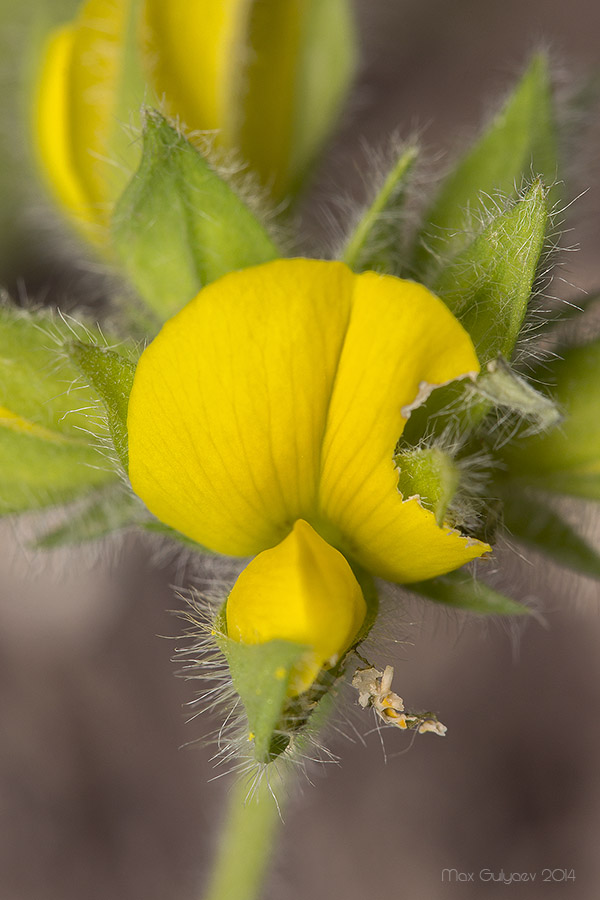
(278, 395)
(268, 77)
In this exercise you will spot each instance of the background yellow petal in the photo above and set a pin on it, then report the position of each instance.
(303, 591)
(52, 123)
(194, 55)
(100, 104)
(400, 339)
(229, 404)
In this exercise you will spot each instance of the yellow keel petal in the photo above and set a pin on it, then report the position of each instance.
(301, 591)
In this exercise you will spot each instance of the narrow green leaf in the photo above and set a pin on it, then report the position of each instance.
(519, 143)
(565, 460)
(179, 226)
(48, 420)
(534, 523)
(374, 242)
(112, 510)
(261, 674)
(112, 376)
(462, 591)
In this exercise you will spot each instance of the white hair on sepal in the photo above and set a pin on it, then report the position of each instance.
(234, 170)
(201, 659)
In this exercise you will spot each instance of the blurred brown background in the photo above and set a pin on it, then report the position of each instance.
(96, 798)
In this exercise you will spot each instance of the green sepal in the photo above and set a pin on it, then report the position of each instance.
(374, 243)
(520, 142)
(179, 226)
(261, 675)
(111, 510)
(488, 285)
(503, 388)
(429, 473)
(462, 590)
(112, 376)
(537, 525)
(49, 434)
(156, 527)
(565, 460)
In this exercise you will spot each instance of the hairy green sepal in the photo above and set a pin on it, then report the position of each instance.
(374, 241)
(462, 590)
(261, 675)
(49, 430)
(179, 226)
(540, 527)
(566, 460)
(520, 142)
(429, 473)
(487, 287)
(112, 376)
(113, 509)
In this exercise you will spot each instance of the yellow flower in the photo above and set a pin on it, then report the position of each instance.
(277, 395)
(268, 76)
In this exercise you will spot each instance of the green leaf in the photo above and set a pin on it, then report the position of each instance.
(565, 460)
(374, 242)
(520, 142)
(112, 510)
(48, 420)
(430, 474)
(112, 376)
(538, 526)
(179, 226)
(462, 591)
(260, 675)
(488, 285)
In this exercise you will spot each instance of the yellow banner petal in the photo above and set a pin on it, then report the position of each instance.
(229, 404)
(401, 342)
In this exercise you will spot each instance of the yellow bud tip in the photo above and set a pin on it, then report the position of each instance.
(302, 591)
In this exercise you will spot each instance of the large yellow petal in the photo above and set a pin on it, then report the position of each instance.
(195, 56)
(279, 394)
(303, 591)
(230, 401)
(52, 124)
(400, 341)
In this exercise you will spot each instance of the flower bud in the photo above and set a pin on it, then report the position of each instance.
(267, 77)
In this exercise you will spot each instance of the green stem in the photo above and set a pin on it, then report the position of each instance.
(246, 844)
